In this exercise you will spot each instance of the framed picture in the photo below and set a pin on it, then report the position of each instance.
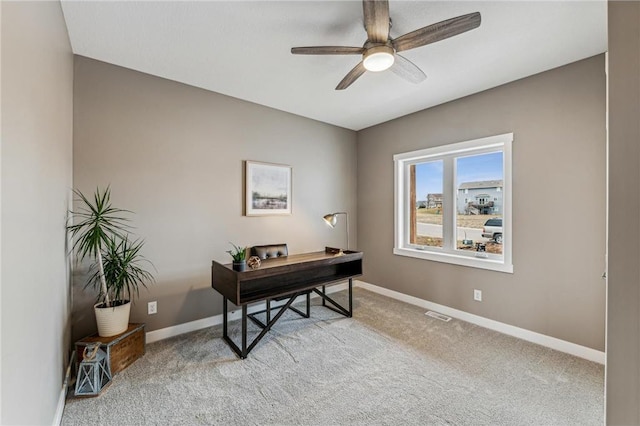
(267, 189)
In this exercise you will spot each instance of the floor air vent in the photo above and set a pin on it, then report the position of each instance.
(439, 316)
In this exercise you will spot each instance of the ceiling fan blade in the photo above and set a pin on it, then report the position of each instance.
(327, 50)
(352, 76)
(437, 32)
(376, 20)
(407, 70)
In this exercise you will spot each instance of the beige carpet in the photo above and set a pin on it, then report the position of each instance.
(389, 364)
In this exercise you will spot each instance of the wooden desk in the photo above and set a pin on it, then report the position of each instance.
(283, 277)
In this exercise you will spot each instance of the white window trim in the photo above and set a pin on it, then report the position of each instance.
(448, 254)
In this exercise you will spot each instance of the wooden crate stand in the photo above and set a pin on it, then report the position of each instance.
(122, 349)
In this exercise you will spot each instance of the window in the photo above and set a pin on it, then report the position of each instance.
(466, 188)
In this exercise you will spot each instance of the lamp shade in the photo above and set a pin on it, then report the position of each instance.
(331, 219)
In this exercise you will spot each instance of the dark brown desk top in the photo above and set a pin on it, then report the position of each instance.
(284, 275)
(297, 259)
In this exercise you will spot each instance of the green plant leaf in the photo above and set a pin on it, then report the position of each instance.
(238, 253)
(95, 222)
(123, 268)
(99, 228)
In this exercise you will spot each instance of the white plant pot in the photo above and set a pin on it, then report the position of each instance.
(112, 321)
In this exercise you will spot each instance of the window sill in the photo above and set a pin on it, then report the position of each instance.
(489, 264)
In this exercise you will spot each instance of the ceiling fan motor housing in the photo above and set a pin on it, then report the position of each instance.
(378, 58)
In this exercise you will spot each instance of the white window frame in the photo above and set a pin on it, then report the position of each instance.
(448, 253)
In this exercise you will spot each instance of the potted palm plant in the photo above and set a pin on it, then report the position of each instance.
(101, 232)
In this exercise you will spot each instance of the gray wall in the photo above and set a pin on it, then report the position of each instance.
(37, 84)
(558, 121)
(174, 155)
(623, 313)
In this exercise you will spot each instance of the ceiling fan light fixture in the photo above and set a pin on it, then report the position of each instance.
(378, 58)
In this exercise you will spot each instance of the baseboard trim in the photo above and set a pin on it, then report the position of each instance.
(57, 420)
(521, 333)
(176, 330)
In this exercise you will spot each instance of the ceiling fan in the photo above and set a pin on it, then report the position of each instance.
(380, 52)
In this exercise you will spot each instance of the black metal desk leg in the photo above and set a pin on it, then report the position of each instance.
(324, 292)
(244, 332)
(224, 316)
(350, 297)
(268, 310)
(309, 304)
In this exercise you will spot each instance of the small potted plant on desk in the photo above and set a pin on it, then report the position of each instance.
(239, 255)
(101, 232)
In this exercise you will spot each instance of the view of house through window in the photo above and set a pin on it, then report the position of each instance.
(453, 203)
(479, 203)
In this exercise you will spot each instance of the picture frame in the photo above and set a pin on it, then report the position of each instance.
(267, 189)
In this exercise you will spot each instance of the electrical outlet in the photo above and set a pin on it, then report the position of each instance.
(477, 295)
(152, 308)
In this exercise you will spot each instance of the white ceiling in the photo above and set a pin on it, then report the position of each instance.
(242, 49)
